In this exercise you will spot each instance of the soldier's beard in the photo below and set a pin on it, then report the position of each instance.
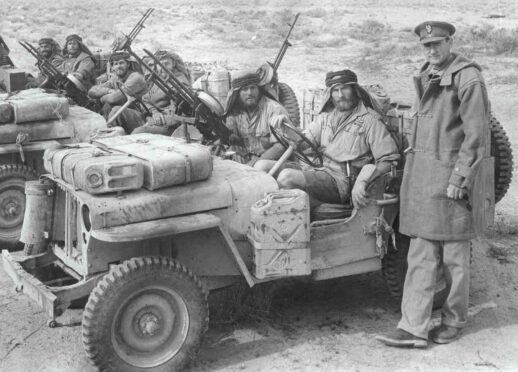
(250, 102)
(345, 104)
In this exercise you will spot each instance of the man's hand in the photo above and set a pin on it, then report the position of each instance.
(455, 192)
(359, 195)
(157, 119)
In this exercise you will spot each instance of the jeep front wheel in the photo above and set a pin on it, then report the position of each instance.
(148, 313)
(12, 201)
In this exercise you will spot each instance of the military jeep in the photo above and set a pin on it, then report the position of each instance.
(22, 142)
(147, 259)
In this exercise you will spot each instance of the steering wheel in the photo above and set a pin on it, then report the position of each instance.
(291, 137)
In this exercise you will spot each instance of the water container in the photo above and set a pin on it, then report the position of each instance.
(217, 83)
(37, 220)
(280, 234)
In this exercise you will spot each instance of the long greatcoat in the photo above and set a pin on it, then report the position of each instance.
(450, 137)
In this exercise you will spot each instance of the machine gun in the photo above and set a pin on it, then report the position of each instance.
(203, 105)
(60, 81)
(268, 71)
(284, 46)
(125, 43)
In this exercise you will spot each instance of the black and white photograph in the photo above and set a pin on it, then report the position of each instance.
(262, 185)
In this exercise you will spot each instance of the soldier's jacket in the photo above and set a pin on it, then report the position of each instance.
(132, 84)
(450, 137)
(255, 129)
(359, 139)
(82, 67)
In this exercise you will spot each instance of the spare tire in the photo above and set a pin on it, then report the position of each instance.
(503, 154)
(288, 99)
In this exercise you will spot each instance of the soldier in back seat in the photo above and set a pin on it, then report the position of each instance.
(50, 49)
(127, 77)
(162, 109)
(78, 61)
(352, 135)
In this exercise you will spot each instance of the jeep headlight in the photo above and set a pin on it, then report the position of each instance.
(94, 178)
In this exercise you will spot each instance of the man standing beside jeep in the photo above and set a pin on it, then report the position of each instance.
(449, 140)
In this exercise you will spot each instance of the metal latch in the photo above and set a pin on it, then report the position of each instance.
(22, 139)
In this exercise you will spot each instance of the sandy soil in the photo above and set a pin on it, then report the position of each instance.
(328, 325)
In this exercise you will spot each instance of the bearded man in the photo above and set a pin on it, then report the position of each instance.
(249, 114)
(352, 135)
(161, 107)
(78, 62)
(49, 49)
(128, 78)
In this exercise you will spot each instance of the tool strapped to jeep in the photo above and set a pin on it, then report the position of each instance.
(204, 106)
(128, 39)
(60, 81)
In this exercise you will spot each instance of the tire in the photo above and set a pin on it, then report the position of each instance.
(394, 268)
(288, 99)
(12, 202)
(148, 313)
(503, 154)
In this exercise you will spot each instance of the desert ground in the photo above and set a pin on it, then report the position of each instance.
(328, 325)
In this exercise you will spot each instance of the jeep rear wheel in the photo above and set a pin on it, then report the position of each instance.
(12, 201)
(288, 99)
(394, 268)
(503, 154)
(146, 313)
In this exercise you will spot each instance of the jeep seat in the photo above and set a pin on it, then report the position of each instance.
(328, 211)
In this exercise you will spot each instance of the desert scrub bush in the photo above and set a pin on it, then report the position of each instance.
(315, 12)
(485, 38)
(370, 30)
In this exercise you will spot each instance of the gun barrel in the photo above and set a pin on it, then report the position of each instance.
(184, 92)
(139, 26)
(285, 45)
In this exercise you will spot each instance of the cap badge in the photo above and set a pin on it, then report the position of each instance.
(428, 28)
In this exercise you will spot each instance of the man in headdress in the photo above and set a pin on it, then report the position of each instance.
(449, 149)
(249, 114)
(50, 50)
(351, 132)
(128, 78)
(78, 62)
(161, 107)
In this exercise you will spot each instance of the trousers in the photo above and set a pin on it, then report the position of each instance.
(424, 258)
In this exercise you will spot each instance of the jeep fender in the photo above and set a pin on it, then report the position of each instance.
(171, 227)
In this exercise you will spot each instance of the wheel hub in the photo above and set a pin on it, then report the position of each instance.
(149, 324)
(150, 327)
(12, 205)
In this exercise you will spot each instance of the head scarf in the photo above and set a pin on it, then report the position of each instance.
(179, 70)
(341, 77)
(82, 46)
(122, 54)
(334, 78)
(56, 49)
(239, 80)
